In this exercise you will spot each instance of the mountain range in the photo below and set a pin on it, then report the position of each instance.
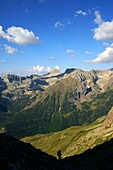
(41, 104)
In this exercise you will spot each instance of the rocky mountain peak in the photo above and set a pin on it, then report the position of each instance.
(69, 70)
(11, 77)
(55, 72)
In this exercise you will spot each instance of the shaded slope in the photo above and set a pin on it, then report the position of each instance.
(15, 154)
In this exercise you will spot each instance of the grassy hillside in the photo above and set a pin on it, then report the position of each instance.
(74, 140)
(15, 154)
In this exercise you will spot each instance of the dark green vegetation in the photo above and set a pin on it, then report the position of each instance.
(15, 154)
(97, 107)
(46, 117)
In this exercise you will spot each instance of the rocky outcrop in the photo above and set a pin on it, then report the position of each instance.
(108, 122)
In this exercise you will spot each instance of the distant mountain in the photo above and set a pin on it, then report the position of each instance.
(69, 70)
(42, 104)
(111, 69)
(55, 72)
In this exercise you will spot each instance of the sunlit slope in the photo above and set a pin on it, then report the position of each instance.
(74, 140)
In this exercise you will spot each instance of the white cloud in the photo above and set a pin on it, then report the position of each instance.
(69, 51)
(11, 50)
(83, 13)
(104, 31)
(57, 67)
(98, 20)
(59, 25)
(105, 43)
(41, 69)
(1, 31)
(87, 52)
(80, 12)
(105, 57)
(19, 35)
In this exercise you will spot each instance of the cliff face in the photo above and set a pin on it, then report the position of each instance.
(108, 122)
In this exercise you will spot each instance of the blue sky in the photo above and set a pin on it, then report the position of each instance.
(37, 36)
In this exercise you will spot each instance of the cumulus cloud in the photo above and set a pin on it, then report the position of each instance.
(104, 31)
(59, 25)
(42, 70)
(98, 20)
(83, 13)
(80, 12)
(19, 35)
(57, 67)
(11, 50)
(105, 43)
(105, 57)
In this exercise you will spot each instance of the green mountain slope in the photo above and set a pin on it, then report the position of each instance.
(42, 118)
(75, 140)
